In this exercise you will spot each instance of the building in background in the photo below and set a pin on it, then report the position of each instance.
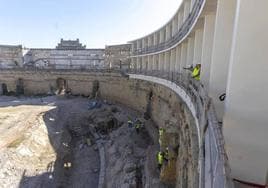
(68, 54)
(11, 56)
(118, 56)
(70, 45)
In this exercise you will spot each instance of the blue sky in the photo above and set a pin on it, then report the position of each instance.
(42, 23)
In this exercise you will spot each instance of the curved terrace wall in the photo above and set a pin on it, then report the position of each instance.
(211, 33)
(186, 20)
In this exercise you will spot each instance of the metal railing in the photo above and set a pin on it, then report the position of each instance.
(215, 170)
(185, 28)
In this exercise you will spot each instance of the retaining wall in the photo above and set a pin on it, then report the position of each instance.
(166, 108)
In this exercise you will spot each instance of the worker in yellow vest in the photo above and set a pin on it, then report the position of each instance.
(196, 72)
(160, 159)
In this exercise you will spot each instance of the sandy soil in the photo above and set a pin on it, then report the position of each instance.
(36, 142)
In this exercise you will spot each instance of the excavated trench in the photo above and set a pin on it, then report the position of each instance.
(70, 141)
(60, 144)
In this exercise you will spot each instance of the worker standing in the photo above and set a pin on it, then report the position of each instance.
(196, 72)
(160, 159)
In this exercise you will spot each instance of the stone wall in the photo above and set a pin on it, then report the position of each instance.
(10, 56)
(54, 58)
(160, 103)
(118, 56)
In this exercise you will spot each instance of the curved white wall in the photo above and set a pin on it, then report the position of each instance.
(221, 28)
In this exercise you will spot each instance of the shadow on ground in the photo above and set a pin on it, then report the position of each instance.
(77, 162)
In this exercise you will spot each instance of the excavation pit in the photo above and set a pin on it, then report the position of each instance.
(55, 142)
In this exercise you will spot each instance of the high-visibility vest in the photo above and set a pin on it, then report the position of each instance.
(160, 158)
(196, 73)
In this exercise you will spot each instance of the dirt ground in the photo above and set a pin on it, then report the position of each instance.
(49, 142)
(37, 144)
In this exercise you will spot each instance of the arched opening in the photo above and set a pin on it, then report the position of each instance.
(4, 89)
(62, 86)
(20, 87)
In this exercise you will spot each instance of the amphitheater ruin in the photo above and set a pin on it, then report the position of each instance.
(78, 117)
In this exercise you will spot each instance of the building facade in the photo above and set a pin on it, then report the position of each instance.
(118, 56)
(68, 54)
(70, 45)
(11, 56)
